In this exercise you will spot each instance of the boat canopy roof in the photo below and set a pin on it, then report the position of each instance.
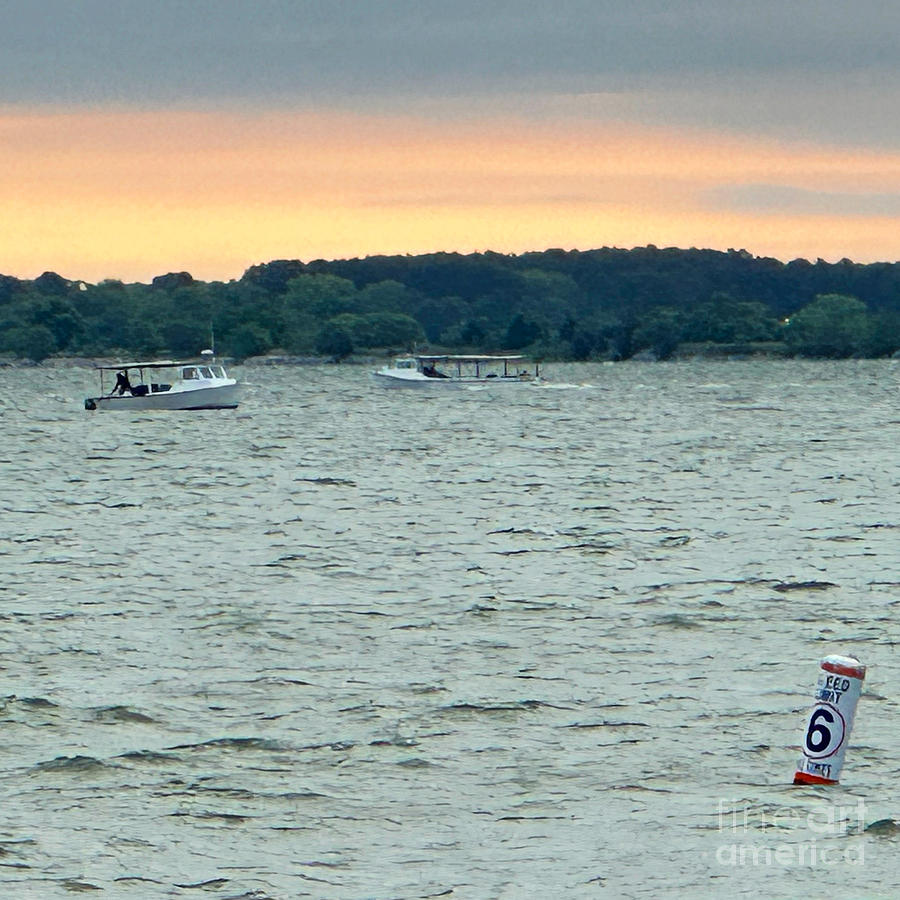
(153, 364)
(467, 358)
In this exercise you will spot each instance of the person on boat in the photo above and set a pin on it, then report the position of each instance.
(122, 384)
(432, 372)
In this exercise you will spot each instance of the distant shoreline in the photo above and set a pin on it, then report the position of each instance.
(723, 352)
(83, 362)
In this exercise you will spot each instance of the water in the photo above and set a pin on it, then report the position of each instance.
(353, 643)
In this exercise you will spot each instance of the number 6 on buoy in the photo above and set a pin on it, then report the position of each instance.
(828, 727)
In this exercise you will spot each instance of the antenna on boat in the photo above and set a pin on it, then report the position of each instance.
(209, 356)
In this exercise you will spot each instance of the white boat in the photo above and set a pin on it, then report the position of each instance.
(457, 371)
(166, 384)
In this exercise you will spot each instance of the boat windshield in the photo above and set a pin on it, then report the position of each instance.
(190, 372)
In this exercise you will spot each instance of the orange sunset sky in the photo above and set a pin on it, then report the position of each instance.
(120, 174)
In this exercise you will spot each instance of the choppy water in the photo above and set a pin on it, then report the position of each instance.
(353, 643)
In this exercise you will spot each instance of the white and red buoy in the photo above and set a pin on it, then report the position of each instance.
(830, 720)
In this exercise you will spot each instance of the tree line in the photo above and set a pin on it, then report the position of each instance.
(558, 304)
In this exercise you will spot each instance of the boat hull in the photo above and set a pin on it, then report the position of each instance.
(224, 396)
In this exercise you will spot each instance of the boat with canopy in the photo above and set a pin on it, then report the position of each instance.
(457, 371)
(165, 384)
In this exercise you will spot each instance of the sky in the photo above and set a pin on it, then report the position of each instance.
(139, 138)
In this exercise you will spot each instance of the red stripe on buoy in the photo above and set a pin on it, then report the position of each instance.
(858, 671)
(803, 778)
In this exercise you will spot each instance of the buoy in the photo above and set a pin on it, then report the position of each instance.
(830, 720)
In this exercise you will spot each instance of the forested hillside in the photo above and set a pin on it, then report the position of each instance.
(594, 304)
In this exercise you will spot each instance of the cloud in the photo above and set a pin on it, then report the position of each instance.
(313, 51)
(785, 199)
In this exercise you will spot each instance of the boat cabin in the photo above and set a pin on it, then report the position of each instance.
(476, 368)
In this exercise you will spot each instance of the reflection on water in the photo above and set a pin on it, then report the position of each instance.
(345, 642)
